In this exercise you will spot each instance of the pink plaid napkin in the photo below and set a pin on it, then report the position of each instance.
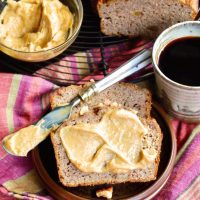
(24, 100)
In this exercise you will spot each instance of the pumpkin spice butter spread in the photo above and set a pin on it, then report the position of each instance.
(112, 145)
(21, 142)
(34, 25)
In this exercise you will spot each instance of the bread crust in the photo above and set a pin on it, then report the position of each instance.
(194, 4)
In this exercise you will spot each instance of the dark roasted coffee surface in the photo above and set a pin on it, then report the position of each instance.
(180, 61)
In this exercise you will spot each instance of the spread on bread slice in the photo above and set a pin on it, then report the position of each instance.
(126, 97)
(114, 144)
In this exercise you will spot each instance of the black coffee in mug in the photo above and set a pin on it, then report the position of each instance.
(180, 61)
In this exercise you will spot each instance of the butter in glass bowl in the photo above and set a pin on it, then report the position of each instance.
(37, 30)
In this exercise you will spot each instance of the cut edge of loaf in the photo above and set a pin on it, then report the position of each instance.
(119, 25)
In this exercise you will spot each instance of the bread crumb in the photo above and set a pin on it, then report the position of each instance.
(106, 193)
(84, 110)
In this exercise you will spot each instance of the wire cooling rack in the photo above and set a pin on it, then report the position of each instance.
(90, 37)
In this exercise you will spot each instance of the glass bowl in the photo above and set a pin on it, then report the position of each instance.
(76, 8)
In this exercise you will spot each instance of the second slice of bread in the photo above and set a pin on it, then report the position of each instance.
(143, 17)
(128, 96)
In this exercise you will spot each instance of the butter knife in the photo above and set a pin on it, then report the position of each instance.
(26, 139)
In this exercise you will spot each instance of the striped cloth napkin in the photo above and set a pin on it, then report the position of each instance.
(24, 99)
(76, 67)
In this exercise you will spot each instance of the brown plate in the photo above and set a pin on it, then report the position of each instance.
(45, 163)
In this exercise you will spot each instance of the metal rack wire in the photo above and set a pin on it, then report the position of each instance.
(89, 37)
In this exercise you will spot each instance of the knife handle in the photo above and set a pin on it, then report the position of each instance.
(135, 64)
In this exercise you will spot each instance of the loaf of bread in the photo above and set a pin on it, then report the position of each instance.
(129, 96)
(145, 18)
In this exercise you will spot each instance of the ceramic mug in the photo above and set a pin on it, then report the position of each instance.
(181, 101)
